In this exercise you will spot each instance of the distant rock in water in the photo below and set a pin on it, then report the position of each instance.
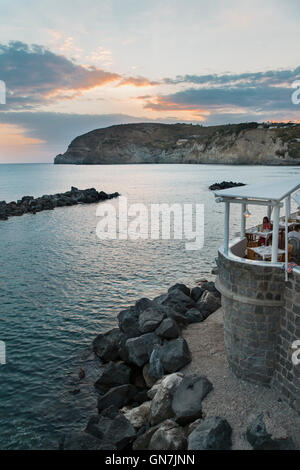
(236, 144)
(224, 185)
(29, 204)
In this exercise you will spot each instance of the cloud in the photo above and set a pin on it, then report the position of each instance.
(255, 94)
(36, 76)
(137, 82)
(270, 77)
(165, 103)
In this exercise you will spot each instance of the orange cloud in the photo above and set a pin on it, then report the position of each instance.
(161, 104)
(137, 82)
(12, 136)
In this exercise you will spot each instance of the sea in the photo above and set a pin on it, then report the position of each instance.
(61, 285)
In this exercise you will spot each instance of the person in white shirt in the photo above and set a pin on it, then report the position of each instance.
(295, 233)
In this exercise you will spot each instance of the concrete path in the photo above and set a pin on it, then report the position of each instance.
(236, 400)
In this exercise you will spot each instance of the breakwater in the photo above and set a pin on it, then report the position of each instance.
(29, 204)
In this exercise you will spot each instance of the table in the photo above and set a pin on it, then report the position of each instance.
(290, 224)
(265, 251)
(266, 234)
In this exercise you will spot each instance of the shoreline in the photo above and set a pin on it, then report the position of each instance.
(144, 396)
(31, 205)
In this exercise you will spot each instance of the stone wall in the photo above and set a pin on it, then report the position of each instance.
(252, 303)
(261, 322)
(287, 374)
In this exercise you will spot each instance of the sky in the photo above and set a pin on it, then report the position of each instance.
(72, 66)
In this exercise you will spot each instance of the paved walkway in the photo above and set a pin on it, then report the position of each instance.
(236, 400)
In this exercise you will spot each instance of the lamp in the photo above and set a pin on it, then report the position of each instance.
(247, 213)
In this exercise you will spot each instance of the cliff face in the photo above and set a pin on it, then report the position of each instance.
(249, 144)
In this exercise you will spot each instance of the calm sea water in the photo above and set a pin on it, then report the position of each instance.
(60, 285)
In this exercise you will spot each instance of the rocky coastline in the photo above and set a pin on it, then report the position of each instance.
(144, 400)
(31, 205)
(234, 144)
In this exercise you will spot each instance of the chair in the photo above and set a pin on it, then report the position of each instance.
(250, 237)
(290, 251)
(295, 242)
(252, 244)
(250, 254)
(281, 257)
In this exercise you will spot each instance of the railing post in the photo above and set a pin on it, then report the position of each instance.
(288, 206)
(276, 213)
(226, 227)
(286, 241)
(243, 221)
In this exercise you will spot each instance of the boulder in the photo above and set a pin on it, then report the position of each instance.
(182, 287)
(196, 293)
(141, 347)
(208, 303)
(139, 382)
(257, 434)
(260, 439)
(161, 405)
(188, 396)
(178, 301)
(113, 375)
(174, 355)
(117, 397)
(179, 318)
(150, 381)
(169, 380)
(138, 416)
(84, 441)
(143, 440)
(193, 425)
(140, 397)
(155, 369)
(210, 286)
(151, 318)
(123, 352)
(224, 185)
(193, 315)
(143, 317)
(169, 436)
(106, 345)
(117, 430)
(161, 408)
(211, 434)
(168, 329)
(128, 321)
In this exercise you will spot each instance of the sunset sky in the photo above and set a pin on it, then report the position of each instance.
(72, 66)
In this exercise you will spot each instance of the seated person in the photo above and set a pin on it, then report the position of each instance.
(265, 227)
(294, 233)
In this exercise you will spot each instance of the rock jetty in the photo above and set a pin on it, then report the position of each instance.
(31, 205)
(224, 185)
(150, 395)
(144, 401)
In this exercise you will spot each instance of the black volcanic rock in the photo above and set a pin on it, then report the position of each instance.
(224, 185)
(211, 434)
(31, 205)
